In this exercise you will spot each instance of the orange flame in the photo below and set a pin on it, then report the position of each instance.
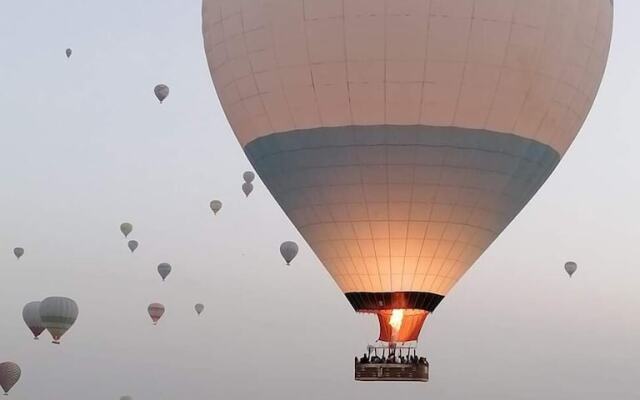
(396, 321)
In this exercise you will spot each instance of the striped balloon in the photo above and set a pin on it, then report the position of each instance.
(402, 137)
(58, 314)
(9, 375)
(31, 316)
(156, 310)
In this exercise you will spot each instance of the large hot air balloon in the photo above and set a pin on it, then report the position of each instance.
(126, 228)
(9, 375)
(215, 205)
(156, 310)
(199, 308)
(132, 245)
(161, 91)
(164, 269)
(18, 252)
(402, 137)
(31, 317)
(288, 250)
(58, 314)
(570, 267)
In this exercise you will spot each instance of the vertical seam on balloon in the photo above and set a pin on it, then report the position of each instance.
(253, 75)
(465, 65)
(309, 63)
(578, 90)
(406, 235)
(533, 77)
(428, 4)
(502, 70)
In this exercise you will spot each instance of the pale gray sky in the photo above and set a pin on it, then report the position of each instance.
(85, 146)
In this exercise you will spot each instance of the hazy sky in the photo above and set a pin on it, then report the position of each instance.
(86, 146)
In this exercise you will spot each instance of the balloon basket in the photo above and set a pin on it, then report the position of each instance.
(391, 365)
(385, 372)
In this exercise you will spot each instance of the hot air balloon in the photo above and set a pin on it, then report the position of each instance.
(571, 268)
(31, 317)
(126, 228)
(199, 308)
(58, 314)
(288, 250)
(18, 252)
(248, 176)
(215, 205)
(161, 91)
(164, 269)
(402, 139)
(68, 53)
(9, 375)
(133, 245)
(156, 310)
(247, 188)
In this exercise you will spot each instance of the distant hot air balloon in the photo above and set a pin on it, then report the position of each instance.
(215, 205)
(58, 314)
(164, 269)
(9, 375)
(31, 317)
(156, 310)
(288, 250)
(199, 308)
(247, 188)
(133, 245)
(571, 268)
(161, 91)
(400, 140)
(248, 176)
(18, 252)
(126, 228)
(68, 53)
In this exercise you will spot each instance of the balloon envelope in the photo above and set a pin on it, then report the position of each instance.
(31, 317)
(133, 245)
(247, 188)
(58, 314)
(9, 375)
(248, 176)
(126, 228)
(156, 310)
(288, 250)
(18, 252)
(161, 91)
(401, 166)
(199, 308)
(215, 205)
(164, 269)
(571, 267)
